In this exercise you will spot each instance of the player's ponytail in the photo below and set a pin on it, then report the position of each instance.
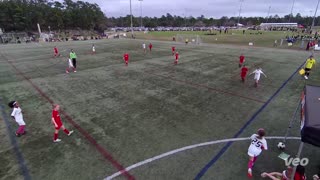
(11, 104)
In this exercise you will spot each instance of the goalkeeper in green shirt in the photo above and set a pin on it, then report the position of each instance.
(73, 57)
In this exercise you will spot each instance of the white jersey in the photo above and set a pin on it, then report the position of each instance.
(143, 46)
(257, 74)
(257, 145)
(17, 114)
(93, 49)
(70, 63)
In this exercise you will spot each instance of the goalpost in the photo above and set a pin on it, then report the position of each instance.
(191, 38)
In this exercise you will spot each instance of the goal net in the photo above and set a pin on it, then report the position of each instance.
(190, 38)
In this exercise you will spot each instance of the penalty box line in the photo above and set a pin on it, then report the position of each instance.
(253, 118)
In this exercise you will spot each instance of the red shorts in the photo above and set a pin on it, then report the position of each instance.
(59, 125)
(243, 75)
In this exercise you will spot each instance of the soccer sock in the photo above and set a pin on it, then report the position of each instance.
(66, 131)
(55, 137)
(250, 164)
(254, 159)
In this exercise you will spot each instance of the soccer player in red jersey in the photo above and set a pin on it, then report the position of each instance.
(56, 51)
(244, 71)
(173, 50)
(177, 58)
(126, 58)
(56, 121)
(241, 60)
(150, 47)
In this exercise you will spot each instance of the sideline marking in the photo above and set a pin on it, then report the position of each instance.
(188, 148)
(16, 149)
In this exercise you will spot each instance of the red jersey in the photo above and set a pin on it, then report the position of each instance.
(56, 118)
(126, 57)
(150, 46)
(244, 71)
(297, 176)
(55, 50)
(173, 49)
(241, 59)
(177, 56)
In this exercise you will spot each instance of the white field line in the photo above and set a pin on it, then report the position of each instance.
(188, 148)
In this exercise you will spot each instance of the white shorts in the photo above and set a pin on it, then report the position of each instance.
(257, 77)
(70, 64)
(253, 152)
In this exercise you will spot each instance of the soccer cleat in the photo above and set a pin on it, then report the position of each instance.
(18, 135)
(70, 132)
(250, 173)
(306, 77)
(57, 140)
(67, 72)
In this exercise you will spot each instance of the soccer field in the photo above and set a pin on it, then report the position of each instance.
(123, 115)
(233, 37)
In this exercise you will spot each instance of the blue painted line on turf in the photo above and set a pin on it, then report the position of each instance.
(225, 148)
(21, 161)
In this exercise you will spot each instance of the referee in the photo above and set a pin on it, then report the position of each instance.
(73, 57)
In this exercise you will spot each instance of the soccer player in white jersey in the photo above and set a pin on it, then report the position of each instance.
(144, 47)
(258, 143)
(70, 66)
(93, 49)
(257, 74)
(18, 117)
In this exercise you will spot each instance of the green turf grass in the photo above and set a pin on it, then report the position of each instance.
(147, 108)
(234, 37)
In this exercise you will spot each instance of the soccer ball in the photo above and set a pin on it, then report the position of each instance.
(281, 145)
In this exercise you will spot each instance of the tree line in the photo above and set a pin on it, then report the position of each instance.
(23, 15)
(201, 21)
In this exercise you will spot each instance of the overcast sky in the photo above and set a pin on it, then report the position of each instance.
(209, 8)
